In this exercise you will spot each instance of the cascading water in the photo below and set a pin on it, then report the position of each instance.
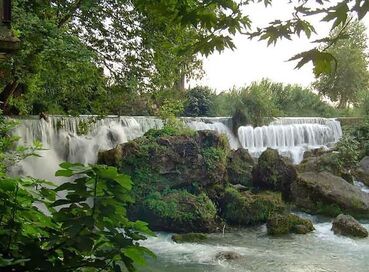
(221, 125)
(62, 139)
(290, 136)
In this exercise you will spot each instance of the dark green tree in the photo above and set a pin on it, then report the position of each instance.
(199, 102)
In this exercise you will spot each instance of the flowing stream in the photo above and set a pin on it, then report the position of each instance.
(319, 251)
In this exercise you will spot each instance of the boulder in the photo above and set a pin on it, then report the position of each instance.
(279, 224)
(157, 162)
(239, 167)
(189, 237)
(362, 172)
(176, 211)
(273, 173)
(347, 225)
(246, 208)
(324, 193)
(227, 256)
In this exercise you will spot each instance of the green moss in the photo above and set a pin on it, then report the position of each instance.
(250, 209)
(214, 158)
(181, 207)
(279, 224)
(331, 210)
(189, 238)
(170, 129)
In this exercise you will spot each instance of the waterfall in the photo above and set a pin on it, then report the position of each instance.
(291, 136)
(62, 141)
(79, 139)
(222, 125)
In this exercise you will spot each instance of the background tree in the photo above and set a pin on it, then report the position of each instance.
(199, 102)
(351, 78)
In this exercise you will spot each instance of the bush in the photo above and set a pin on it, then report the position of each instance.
(199, 102)
(88, 230)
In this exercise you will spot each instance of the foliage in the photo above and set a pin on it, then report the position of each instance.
(199, 102)
(360, 134)
(214, 158)
(10, 152)
(348, 152)
(350, 80)
(87, 229)
(254, 103)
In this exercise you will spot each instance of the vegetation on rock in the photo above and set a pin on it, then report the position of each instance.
(246, 208)
(273, 173)
(279, 224)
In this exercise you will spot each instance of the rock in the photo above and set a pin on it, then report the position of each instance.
(189, 237)
(362, 172)
(323, 160)
(157, 162)
(279, 224)
(176, 211)
(273, 173)
(324, 193)
(239, 167)
(246, 208)
(227, 255)
(347, 225)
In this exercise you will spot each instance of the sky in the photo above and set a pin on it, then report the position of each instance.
(252, 60)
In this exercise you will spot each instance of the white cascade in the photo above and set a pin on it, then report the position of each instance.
(291, 136)
(222, 125)
(61, 141)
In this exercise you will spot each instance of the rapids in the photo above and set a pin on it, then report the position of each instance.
(319, 251)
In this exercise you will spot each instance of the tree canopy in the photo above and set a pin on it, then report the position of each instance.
(73, 52)
(350, 79)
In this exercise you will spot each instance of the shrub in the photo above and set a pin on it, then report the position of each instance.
(199, 102)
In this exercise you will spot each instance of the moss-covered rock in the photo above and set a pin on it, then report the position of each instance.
(176, 211)
(323, 160)
(273, 173)
(239, 167)
(192, 162)
(348, 226)
(189, 237)
(279, 224)
(245, 208)
(324, 193)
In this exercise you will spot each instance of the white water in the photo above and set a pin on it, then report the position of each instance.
(291, 136)
(62, 143)
(319, 251)
(59, 136)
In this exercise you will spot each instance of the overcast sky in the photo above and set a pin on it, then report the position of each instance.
(253, 60)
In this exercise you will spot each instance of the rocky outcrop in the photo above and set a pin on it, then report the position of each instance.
(348, 226)
(239, 167)
(189, 237)
(171, 162)
(273, 173)
(324, 193)
(279, 224)
(362, 172)
(246, 208)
